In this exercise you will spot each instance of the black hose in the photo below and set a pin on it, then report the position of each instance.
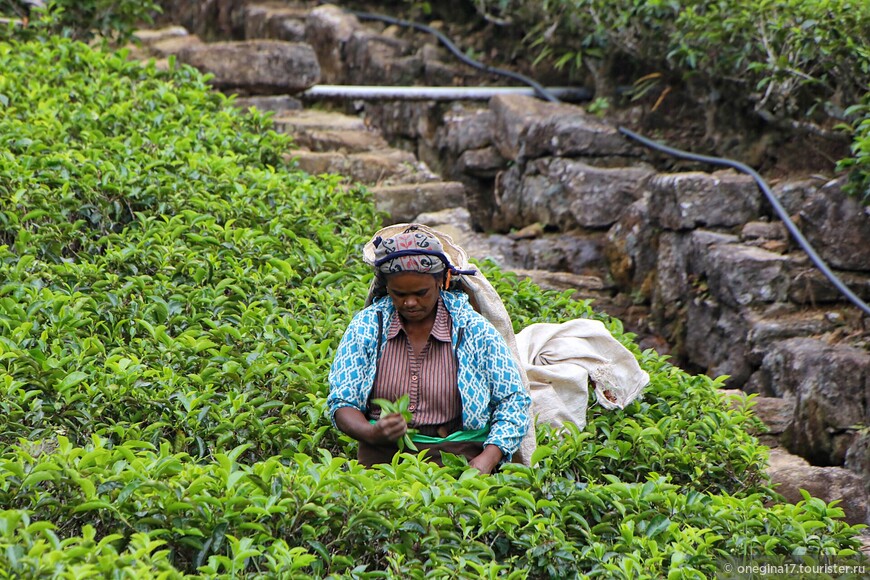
(777, 206)
(546, 95)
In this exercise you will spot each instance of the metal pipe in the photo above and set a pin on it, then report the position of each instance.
(572, 94)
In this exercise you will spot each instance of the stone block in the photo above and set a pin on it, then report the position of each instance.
(151, 36)
(312, 119)
(783, 322)
(173, 45)
(388, 167)
(715, 340)
(570, 132)
(738, 275)
(672, 270)
(792, 195)
(763, 231)
(810, 286)
(568, 194)
(485, 162)
(404, 202)
(256, 66)
(328, 29)
(345, 141)
(528, 128)
(790, 474)
(575, 253)
(858, 457)
(465, 128)
(830, 384)
(838, 226)
(632, 250)
(269, 103)
(275, 22)
(683, 201)
(376, 59)
(513, 115)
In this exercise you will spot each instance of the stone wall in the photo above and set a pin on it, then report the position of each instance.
(726, 286)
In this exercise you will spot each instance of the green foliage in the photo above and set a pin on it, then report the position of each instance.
(677, 428)
(159, 263)
(859, 183)
(133, 505)
(171, 298)
(599, 106)
(112, 20)
(401, 406)
(785, 54)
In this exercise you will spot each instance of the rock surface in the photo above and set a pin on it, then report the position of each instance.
(256, 66)
(830, 385)
(791, 474)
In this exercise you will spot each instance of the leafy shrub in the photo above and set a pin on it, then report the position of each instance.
(785, 55)
(328, 515)
(172, 294)
(675, 429)
(859, 183)
(112, 20)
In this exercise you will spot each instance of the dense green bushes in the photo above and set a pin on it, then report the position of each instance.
(859, 163)
(786, 57)
(110, 20)
(326, 515)
(171, 297)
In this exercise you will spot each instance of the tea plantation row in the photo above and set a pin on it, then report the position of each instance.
(170, 298)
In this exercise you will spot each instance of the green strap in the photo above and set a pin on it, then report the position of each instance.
(476, 435)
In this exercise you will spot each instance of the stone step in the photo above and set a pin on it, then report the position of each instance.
(331, 142)
(275, 21)
(404, 202)
(151, 36)
(341, 141)
(322, 131)
(277, 104)
(782, 322)
(791, 474)
(389, 167)
(549, 280)
(313, 120)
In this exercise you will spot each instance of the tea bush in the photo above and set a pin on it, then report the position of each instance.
(171, 297)
(859, 163)
(113, 21)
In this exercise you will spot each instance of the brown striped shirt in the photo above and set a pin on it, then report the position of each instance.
(429, 379)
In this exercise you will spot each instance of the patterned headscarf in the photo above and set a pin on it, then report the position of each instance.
(410, 251)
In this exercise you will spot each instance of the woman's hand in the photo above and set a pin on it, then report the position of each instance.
(487, 460)
(388, 429)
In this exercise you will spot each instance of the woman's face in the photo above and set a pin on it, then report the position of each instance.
(414, 295)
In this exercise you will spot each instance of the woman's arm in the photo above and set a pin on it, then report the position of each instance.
(487, 460)
(510, 402)
(352, 368)
(388, 429)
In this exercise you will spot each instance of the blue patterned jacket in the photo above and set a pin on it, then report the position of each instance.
(489, 382)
